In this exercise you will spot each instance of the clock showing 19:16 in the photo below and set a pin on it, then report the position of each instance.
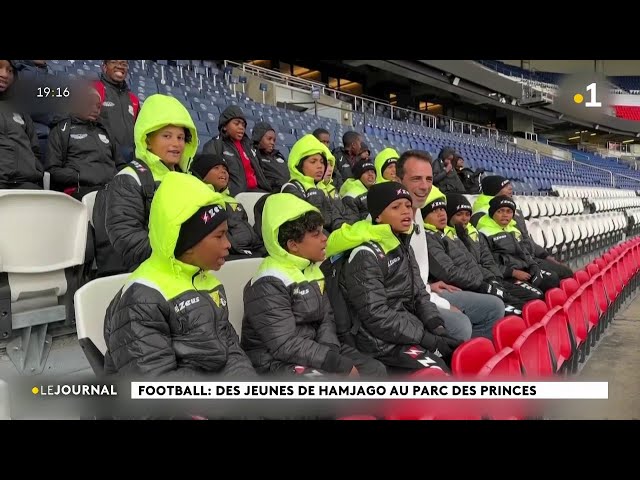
(56, 92)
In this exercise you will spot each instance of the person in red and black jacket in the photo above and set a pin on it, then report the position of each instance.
(82, 157)
(235, 146)
(120, 106)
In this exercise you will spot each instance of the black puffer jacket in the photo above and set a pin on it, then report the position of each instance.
(450, 261)
(91, 157)
(19, 148)
(478, 246)
(315, 196)
(386, 296)
(506, 247)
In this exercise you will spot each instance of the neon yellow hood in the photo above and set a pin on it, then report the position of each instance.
(279, 209)
(353, 187)
(159, 111)
(306, 146)
(381, 158)
(489, 227)
(348, 237)
(482, 203)
(179, 196)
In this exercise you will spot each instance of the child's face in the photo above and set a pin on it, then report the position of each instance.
(398, 214)
(368, 178)
(365, 155)
(6, 75)
(324, 138)
(218, 177)
(390, 173)
(328, 174)
(235, 129)
(167, 143)
(506, 191)
(463, 217)
(210, 252)
(268, 142)
(503, 216)
(312, 247)
(314, 167)
(437, 218)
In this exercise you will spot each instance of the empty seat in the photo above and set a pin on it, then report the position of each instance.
(48, 236)
(234, 276)
(533, 351)
(469, 357)
(248, 201)
(507, 330)
(91, 302)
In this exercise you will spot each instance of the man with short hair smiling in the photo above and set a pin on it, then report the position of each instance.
(414, 171)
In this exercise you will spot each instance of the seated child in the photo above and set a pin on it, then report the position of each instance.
(288, 324)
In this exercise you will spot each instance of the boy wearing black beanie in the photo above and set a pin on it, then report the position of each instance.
(496, 185)
(354, 191)
(171, 317)
(395, 320)
(515, 294)
(506, 247)
(213, 170)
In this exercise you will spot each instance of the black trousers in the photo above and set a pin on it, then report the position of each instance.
(516, 294)
(562, 271)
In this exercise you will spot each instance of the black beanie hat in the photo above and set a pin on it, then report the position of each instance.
(198, 226)
(362, 166)
(204, 162)
(381, 195)
(457, 202)
(440, 202)
(499, 202)
(493, 184)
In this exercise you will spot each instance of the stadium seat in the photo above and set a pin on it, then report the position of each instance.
(506, 331)
(533, 351)
(503, 365)
(234, 276)
(469, 357)
(91, 302)
(556, 327)
(42, 257)
(89, 200)
(248, 201)
(532, 312)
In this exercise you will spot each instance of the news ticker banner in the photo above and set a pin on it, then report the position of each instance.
(369, 390)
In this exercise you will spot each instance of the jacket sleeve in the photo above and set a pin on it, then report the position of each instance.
(327, 330)
(536, 250)
(293, 190)
(147, 348)
(351, 210)
(268, 308)
(61, 175)
(439, 172)
(426, 310)
(125, 220)
(30, 130)
(336, 220)
(238, 363)
(486, 259)
(365, 292)
(442, 267)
